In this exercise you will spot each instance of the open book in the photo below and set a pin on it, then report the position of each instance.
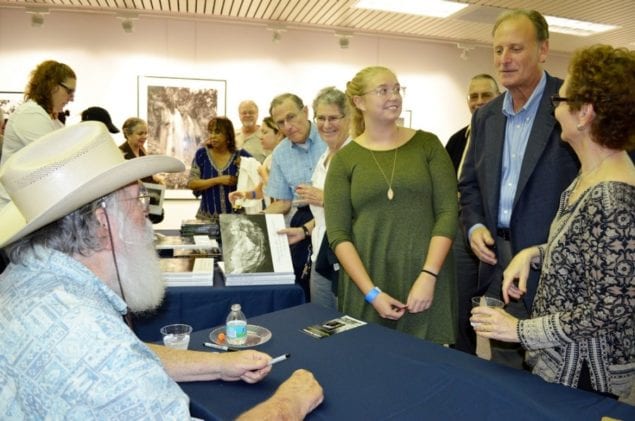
(253, 251)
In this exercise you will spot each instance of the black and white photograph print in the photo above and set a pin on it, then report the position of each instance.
(9, 101)
(245, 244)
(156, 193)
(177, 111)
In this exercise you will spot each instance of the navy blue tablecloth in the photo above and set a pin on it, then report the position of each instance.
(206, 307)
(374, 373)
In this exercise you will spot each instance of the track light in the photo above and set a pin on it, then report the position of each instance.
(37, 20)
(277, 31)
(37, 15)
(465, 53)
(344, 39)
(127, 21)
(127, 26)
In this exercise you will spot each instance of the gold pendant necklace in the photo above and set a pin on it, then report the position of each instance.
(390, 193)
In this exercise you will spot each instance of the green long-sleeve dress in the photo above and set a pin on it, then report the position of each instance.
(392, 236)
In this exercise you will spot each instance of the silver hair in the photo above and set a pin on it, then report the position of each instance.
(331, 95)
(75, 233)
(283, 97)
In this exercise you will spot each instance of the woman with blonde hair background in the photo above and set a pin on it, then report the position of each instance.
(270, 135)
(391, 216)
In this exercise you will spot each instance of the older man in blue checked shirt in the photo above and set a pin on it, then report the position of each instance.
(293, 162)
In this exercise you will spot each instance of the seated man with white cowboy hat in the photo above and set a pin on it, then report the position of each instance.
(82, 257)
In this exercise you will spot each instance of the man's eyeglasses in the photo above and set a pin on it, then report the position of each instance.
(321, 119)
(289, 119)
(143, 198)
(483, 95)
(557, 99)
(68, 90)
(384, 91)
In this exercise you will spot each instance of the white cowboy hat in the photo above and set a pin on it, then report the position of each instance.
(64, 170)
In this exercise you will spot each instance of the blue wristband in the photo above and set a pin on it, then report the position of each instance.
(372, 294)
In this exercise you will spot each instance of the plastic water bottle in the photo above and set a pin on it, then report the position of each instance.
(236, 326)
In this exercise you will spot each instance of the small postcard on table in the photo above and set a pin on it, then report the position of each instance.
(332, 327)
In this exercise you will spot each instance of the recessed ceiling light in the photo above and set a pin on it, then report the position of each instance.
(576, 27)
(433, 8)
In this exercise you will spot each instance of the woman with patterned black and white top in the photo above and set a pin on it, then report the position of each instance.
(582, 329)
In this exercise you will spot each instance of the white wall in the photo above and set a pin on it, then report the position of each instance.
(108, 61)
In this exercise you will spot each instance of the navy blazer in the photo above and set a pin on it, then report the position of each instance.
(548, 167)
(455, 147)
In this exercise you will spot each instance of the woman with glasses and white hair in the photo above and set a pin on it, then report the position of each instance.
(135, 131)
(332, 117)
(582, 328)
(391, 216)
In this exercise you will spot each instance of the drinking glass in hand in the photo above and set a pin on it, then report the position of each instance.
(487, 302)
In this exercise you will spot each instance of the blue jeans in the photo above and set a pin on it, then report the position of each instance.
(321, 292)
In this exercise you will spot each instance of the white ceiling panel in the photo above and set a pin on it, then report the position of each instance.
(469, 26)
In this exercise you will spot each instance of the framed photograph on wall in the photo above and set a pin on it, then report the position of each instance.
(405, 119)
(9, 101)
(157, 194)
(177, 111)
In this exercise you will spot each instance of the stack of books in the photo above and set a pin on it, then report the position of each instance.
(197, 245)
(187, 271)
(253, 251)
(190, 227)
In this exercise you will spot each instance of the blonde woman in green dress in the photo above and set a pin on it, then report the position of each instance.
(391, 215)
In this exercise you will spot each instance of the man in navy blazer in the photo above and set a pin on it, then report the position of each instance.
(516, 166)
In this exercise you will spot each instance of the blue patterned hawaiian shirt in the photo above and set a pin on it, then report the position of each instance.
(66, 353)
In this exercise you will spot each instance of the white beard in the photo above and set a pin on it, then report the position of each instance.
(143, 286)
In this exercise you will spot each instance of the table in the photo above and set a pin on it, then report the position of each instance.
(205, 307)
(375, 373)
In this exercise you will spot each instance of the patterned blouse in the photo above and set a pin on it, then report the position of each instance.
(214, 200)
(584, 310)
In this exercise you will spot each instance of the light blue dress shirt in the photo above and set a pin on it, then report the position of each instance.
(517, 130)
(66, 353)
(293, 164)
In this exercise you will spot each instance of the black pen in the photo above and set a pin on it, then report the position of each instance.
(220, 347)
